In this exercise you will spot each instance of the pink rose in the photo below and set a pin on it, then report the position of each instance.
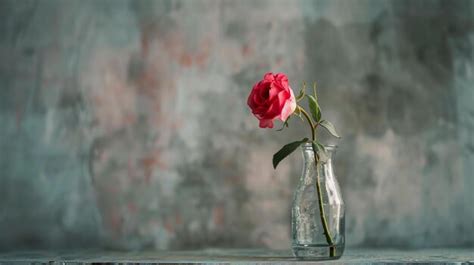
(272, 98)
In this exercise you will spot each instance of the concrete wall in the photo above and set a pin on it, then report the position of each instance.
(124, 123)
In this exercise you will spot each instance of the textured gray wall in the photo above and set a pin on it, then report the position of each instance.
(124, 123)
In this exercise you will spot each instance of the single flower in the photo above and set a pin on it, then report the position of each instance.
(272, 98)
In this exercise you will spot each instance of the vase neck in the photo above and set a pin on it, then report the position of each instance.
(324, 164)
(308, 153)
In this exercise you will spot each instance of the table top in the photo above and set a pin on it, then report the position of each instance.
(247, 256)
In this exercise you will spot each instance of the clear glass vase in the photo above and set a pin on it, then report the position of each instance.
(317, 217)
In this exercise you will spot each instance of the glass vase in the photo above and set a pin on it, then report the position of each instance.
(317, 218)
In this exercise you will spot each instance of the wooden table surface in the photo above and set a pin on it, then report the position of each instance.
(241, 256)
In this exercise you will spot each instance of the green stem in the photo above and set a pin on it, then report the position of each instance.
(311, 124)
(332, 249)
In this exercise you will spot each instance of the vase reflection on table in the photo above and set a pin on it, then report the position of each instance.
(309, 237)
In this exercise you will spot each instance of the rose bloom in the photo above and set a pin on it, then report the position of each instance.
(272, 98)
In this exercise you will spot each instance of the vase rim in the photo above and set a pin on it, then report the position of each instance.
(329, 147)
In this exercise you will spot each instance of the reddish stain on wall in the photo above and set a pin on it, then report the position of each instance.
(218, 215)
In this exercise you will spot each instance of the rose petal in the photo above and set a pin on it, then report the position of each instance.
(283, 80)
(289, 108)
(273, 111)
(281, 77)
(274, 89)
(259, 112)
(251, 100)
(263, 91)
(266, 123)
(283, 96)
(257, 99)
(269, 77)
(253, 97)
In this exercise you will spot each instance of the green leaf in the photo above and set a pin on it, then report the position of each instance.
(314, 91)
(323, 155)
(331, 129)
(285, 124)
(298, 113)
(314, 108)
(302, 93)
(285, 151)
